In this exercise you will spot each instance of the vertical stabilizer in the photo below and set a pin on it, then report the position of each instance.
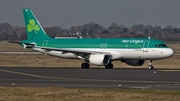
(34, 29)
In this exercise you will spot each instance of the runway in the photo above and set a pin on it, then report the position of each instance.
(90, 78)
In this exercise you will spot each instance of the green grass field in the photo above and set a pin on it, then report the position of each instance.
(85, 94)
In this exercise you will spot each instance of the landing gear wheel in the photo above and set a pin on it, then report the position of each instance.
(151, 67)
(150, 64)
(85, 65)
(109, 66)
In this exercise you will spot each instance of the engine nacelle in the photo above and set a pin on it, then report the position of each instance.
(134, 62)
(99, 59)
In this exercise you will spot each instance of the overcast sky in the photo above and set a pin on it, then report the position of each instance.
(68, 13)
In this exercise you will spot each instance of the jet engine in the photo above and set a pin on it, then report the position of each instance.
(134, 62)
(99, 59)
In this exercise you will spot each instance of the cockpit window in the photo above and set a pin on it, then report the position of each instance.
(160, 45)
(164, 45)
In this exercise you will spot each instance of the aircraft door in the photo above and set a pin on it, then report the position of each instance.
(103, 45)
(45, 43)
(145, 46)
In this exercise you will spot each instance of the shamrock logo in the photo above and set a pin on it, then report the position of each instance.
(32, 26)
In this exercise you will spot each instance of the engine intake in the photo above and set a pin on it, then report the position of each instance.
(99, 59)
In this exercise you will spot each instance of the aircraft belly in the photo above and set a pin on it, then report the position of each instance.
(138, 54)
(116, 55)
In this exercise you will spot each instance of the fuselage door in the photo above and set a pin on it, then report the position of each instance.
(103, 45)
(145, 46)
(45, 43)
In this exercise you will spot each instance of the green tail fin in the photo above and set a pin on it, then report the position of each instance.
(33, 28)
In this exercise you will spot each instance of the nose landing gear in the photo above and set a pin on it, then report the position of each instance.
(150, 64)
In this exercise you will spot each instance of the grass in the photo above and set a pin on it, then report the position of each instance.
(11, 47)
(85, 94)
(175, 47)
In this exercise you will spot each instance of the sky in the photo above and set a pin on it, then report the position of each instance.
(68, 13)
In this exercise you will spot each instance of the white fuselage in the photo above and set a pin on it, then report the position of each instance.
(117, 54)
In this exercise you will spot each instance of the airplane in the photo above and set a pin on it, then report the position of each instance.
(96, 51)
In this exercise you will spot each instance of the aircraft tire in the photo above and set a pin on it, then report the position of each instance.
(109, 66)
(85, 65)
(150, 67)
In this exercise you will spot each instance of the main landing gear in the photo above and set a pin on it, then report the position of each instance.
(150, 64)
(86, 66)
(109, 66)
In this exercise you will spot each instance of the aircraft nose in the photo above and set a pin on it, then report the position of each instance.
(169, 52)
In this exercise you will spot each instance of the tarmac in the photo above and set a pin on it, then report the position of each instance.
(166, 79)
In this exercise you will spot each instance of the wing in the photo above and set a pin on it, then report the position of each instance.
(77, 51)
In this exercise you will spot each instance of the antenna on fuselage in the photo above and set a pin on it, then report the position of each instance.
(79, 35)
